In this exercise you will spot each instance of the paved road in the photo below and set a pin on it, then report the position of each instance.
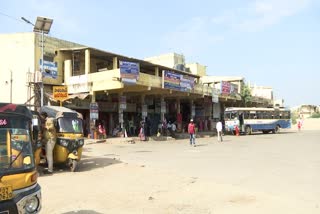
(247, 174)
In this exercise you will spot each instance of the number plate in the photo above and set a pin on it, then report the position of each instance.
(5, 192)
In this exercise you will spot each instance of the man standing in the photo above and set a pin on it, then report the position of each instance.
(192, 132)
(50, 137)
(219, 130)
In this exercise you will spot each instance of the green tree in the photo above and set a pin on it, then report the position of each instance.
(245, 94)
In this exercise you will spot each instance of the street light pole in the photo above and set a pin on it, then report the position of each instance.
(11, 80)
(42, 26)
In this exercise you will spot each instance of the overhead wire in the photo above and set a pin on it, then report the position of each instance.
(11, 17)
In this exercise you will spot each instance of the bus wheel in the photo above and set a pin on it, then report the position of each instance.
(248, 130)
(276, 130)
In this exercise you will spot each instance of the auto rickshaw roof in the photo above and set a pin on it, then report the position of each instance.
(56, 111)
(15, 109)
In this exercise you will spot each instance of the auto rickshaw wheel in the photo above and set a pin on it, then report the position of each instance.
(73, 165)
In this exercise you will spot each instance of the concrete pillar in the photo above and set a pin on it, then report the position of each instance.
(156, 71)
(120, 111)
(87, 61)
(142, 106)
(67, 69)
(162, 113)
(179, 123)
(192, 109)
(115, 63)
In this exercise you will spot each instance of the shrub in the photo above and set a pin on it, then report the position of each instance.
(315, 115)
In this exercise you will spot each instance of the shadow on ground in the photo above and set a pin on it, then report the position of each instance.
(87, 163)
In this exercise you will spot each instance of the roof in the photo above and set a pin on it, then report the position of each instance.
(52, 111)
(15, 109)
(99, 52)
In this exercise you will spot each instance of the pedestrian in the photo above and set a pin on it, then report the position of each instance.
(299, 124)
(49, 139)
(142, 134)
(219, 130)
(192, 133)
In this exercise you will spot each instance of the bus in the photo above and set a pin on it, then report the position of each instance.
(254, 119)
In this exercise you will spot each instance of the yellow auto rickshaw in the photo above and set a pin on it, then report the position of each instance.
(70, 140)
(19, 190)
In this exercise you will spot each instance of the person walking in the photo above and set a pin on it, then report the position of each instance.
(219, 130)
(192, 132)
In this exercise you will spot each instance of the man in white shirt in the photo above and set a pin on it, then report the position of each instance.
(219, 131)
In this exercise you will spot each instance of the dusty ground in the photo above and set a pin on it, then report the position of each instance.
(246, 174)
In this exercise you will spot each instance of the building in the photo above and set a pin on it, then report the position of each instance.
(119, 87)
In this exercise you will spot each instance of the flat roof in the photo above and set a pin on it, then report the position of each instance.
(99, 52)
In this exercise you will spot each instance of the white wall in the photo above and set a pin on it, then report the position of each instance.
(17, 52)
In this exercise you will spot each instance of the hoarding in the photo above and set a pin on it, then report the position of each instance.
(179, 82)
(60, 93)
(129, 72)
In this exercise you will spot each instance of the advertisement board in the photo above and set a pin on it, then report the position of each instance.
(94, 111)
(178, 82)
(129, 72)
(50, 69)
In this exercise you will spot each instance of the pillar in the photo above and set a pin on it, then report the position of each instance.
(179, 116)
(87, 61)
(143, 107)
(156, 71)
(192, 109)
(163, 108)
(115, 63)
(120, 111)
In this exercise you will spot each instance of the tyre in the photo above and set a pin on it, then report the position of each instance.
(248, 130)
(276, 130)
(73, 165)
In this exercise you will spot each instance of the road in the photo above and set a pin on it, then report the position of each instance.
(272, 173)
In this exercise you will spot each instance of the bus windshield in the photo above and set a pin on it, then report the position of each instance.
(70, 125)
(230, 115)
(15, 151)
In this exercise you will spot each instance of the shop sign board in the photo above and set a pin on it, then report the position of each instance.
(123, 102)
(129, 72)
(145, 110)
(215, 96)
(60, 93)
(94, 111)
(163, 107)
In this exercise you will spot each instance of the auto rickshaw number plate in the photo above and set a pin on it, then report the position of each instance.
(5, 192)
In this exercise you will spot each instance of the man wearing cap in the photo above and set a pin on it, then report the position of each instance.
(192, 132)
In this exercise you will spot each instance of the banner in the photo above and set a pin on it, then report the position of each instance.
(129, 72)
(94, 111)
(177, 82)
(225, 88)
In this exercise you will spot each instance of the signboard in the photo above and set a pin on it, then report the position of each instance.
(215, 95)
(123, 102)
(145, 110)
(179, 82)
(163, 108)
(129, 72)
(50, 69)
(60, 93)
(225, 87)
(94, 111)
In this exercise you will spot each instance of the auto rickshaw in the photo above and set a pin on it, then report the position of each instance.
(69, 129)
(19, 190)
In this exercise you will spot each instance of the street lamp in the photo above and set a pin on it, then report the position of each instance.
(42, 26)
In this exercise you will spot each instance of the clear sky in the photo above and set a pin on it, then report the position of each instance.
(269, 42)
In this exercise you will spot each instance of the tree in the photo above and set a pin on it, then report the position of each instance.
(245, 94)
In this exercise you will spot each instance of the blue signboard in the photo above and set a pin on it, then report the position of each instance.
(129, 72)
(50, 69)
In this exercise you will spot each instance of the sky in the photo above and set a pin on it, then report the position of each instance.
(273, 43)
